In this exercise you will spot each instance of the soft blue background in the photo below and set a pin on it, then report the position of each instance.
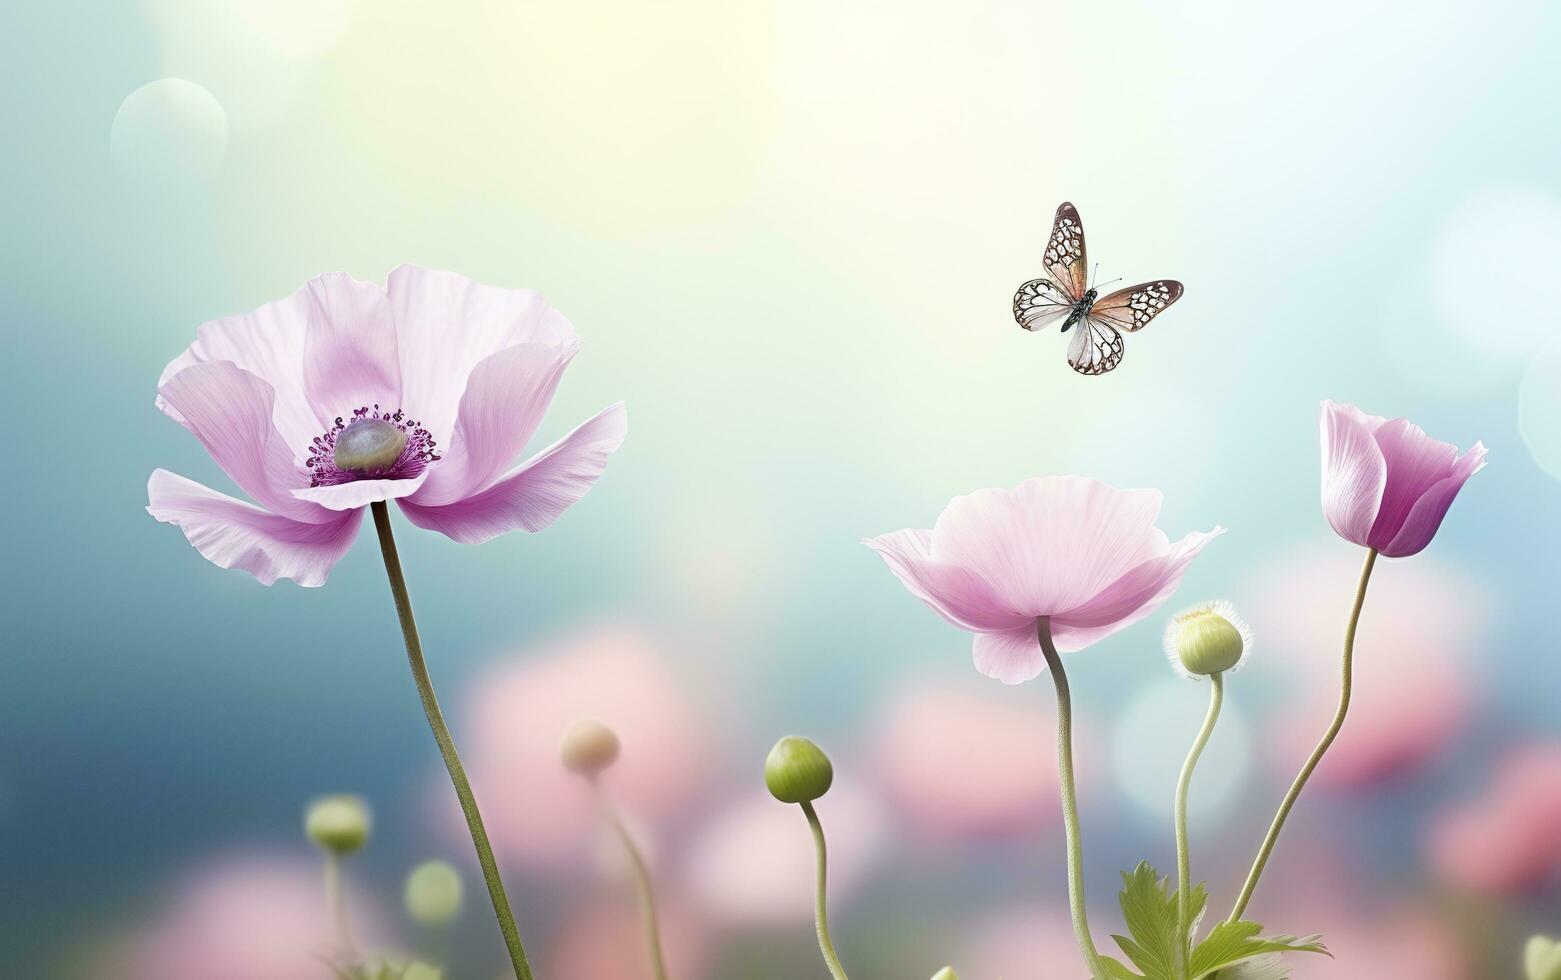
(788, 234)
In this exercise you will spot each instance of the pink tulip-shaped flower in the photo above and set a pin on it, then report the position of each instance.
(346, 393)
(1387, 485)
(1078, 551)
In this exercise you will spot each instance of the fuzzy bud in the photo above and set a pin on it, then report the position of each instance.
(433, 894)
(1542, 958)
(797, 771)
(1207, 639)
(588, 747)
(339, 824)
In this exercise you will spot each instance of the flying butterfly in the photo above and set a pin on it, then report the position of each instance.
(1065, 292)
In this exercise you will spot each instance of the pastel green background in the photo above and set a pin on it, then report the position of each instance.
(788, 233)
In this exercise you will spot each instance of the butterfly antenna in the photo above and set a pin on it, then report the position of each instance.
(1110, 281)
(1093, 274)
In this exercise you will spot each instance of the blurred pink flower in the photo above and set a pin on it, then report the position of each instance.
(1022, 941)
(1077, 550)
(1373, 932)
(605, 941)
(423, 390)
(982, 780)
(752, 864)
(1387, 485)
(248, 918)
(1508, 838)
(1412, 690)
(537, 812)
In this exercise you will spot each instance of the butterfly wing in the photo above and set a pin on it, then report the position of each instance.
(1040, 302)
(1096, 347)
(1132, 308)
(1065, 260)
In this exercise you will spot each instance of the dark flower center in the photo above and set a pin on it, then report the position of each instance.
(370, 446)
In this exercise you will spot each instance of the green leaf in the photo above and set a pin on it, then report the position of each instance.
(1117, 969)
(1231, 942)
(1150, 913)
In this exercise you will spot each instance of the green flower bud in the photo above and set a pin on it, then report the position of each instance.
(419, 970)
(1207, 639)
(1542, 958)
(433, 894)
(339, 824)
(947, 973)
(588, 747)
(368, 446)
(797, 771)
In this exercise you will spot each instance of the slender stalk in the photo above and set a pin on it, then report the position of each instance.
(452, 761)
(1183, 861)
(642, 886)
(821, 917)
(1322, 746)
(336, 901)
(1070, 803)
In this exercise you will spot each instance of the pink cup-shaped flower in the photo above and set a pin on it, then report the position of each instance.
(1078, 551)
(347, 393)
(1386, 484)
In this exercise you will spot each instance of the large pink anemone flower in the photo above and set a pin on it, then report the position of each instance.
(423, 390)
(1386, 484)
(1078, 551)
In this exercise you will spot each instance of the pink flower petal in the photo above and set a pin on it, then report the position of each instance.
(1012, 656)
(230, 412)
(534, 494)
(1415, 463)
(506, 396)
(360, 493)
(349, 347)
(268, 343)
(1050, 544)
(1130, 598)
(447, 323)
(1425, 516)
(1354, 473)
(233, 534)
(957, 595)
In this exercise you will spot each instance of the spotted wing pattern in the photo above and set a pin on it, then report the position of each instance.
(1040, 302)
(1065, 260)
(1096, 347)
(1132, 308)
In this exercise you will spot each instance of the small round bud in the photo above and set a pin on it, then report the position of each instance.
(797, 771)
(1542, 958)
(339, 824)
(1207, 639)
(368, 446)
(947, 973)
(588, 747)
(433, 894)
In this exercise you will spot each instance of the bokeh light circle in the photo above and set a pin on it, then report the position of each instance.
(1539, 409)
(1150, 744)
(1489, 255)
(169, 130)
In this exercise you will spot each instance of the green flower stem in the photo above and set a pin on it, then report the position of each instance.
(336, 901)
(647, 895)
(821, 917)
(1070, 803)
(1322, 746)
(452, 761)
(1183, 862)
